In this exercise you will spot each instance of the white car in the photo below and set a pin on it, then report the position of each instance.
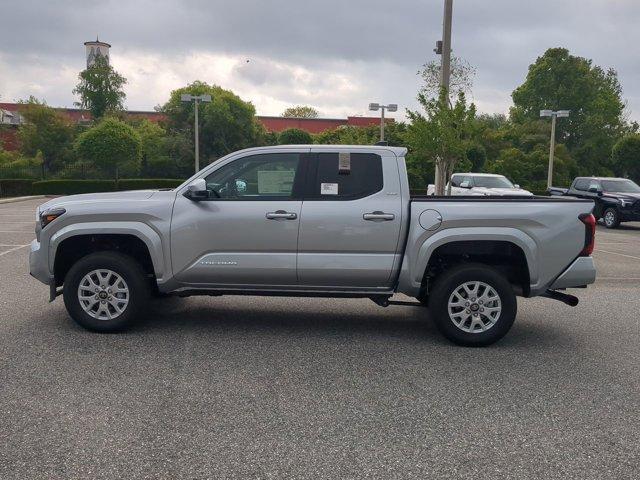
(482, 184)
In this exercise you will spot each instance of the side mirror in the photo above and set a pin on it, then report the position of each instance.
(594, 189)
(197, 190)
(515, 185)
(465, 185)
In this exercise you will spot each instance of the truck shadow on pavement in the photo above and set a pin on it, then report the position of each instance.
(176, 316)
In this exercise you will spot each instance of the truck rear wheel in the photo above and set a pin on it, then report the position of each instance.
(105, 291)
(473, 305)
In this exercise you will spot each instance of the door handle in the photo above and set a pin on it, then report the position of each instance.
(281, 215)
(378, 216)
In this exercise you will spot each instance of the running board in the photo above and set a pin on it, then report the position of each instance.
(561, 297)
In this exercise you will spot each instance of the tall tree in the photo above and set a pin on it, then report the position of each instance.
(626, 156)
(443, 133)
(47, 131)
(301, 111)
(226, 124)
(100, 89)
(561, 81)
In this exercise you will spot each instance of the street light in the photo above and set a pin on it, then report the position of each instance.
(186, 97)
(552, 148)
(374, 107)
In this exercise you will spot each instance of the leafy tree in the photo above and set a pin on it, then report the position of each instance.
(301, 111)
(46, 131)
(394, 133)
(462, 74)
(626, 156)
(155, 160)
(443, 133)
(226, 124)
(559, 80)
(113, 146)
(294, 136)
(100, 89)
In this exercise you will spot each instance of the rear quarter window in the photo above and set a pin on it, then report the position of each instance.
(363, 178)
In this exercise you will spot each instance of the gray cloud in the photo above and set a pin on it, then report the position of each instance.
(335, 54)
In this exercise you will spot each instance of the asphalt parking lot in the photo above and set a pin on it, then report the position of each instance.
(233, 387)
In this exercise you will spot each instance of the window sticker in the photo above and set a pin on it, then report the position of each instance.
(328, 189)
(275, 182)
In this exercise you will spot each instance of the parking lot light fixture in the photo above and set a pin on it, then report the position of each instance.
(187, 98)
(374, 107)
(552, 148)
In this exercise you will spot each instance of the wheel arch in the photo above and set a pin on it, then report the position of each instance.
(136, 239)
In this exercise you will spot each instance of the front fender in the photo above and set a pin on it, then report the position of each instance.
(417, 256)
(144, 232)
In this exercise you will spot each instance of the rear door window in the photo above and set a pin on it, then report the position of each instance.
(345, 176)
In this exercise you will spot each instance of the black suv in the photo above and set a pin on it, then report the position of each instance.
(617, 199)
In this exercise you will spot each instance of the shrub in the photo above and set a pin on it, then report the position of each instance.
(71, 187)
(148, 183)
(294, 136)
(15, 187)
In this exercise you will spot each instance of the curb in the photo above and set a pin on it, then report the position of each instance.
(20, 199)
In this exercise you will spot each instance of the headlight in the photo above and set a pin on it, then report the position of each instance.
(50, 215)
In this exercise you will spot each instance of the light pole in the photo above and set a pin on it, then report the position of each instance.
(374, 107)
(187, 97)
(552, 148)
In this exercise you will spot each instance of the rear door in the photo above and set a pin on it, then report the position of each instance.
(350, 221)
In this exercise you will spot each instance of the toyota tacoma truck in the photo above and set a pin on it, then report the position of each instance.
(616, 200)
(330, 221)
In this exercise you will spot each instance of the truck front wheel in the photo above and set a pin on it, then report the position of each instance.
(611, 218)
(105, 291)
(473, 305)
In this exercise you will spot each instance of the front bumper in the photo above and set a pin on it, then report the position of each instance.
(39, 263)
(580, 273)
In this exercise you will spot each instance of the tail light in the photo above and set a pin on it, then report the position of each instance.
(589, 233)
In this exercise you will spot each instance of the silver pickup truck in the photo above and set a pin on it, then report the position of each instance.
(331, 221)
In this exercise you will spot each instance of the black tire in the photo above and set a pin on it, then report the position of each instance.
(611, 217)
(124, 266)
(456, 277)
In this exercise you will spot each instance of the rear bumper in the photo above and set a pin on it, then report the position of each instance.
(580, 273)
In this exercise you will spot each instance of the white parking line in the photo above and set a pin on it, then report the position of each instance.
(14, 249)
(17, 231)
(620, 254)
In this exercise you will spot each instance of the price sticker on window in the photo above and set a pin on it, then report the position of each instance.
(328, 189)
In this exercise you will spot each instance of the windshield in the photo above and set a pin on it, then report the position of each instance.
(492, 182)
(621, 186)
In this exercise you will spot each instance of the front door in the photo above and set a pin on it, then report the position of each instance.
(350, 224)
(246, 232)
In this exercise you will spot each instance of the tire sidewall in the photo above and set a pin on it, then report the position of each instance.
(449, 281)
(121, 264)
(616, 221)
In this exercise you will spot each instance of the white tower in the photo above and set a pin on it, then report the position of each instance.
(94, 49)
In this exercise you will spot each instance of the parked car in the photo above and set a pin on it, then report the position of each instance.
(486, 184)
(331, 221)
(616, 200)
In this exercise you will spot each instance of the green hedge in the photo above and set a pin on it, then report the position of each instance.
(15, 187)
(71, 187)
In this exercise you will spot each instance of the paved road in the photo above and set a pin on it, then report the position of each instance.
(311, 388)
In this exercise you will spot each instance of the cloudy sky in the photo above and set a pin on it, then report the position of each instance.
(337, 55)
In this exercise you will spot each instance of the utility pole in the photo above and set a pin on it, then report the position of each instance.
(552, 148)
(186, 97)
(443, 48)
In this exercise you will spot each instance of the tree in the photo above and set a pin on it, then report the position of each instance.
(559, 80)
(462, 74)
(112, 145)
(46, 131)
(443, 134)
(100, 89)
(626, 156)
(294, 136)
(352, 135)
(301, 111)
(155, 160)
(226, 124)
